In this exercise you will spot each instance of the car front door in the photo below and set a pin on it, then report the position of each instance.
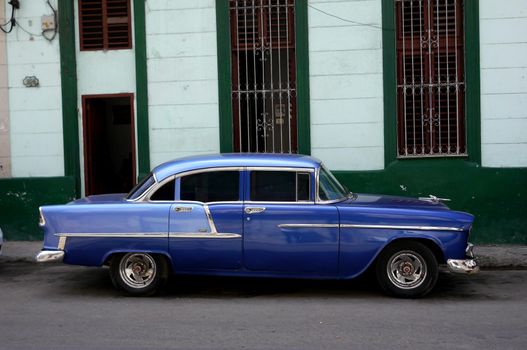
(205, 227)
(284, 230)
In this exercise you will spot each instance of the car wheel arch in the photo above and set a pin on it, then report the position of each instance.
(434, 246)
(113, 253)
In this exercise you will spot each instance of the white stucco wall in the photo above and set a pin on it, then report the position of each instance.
(103, 72)
(182, 78)
(35, 114)
(503, 29)
(345, 66)
(5, 145)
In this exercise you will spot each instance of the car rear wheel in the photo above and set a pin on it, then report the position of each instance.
(407, 269)
(138, 274)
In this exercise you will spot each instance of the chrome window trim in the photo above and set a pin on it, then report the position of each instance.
(317, 190)
(156, 186)
(288, 169)
(140, 198)
(145, 197)
(282, 202)
(279, 168)
(209, 170)
(403, 227)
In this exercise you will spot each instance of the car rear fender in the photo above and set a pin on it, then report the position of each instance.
(108, 256)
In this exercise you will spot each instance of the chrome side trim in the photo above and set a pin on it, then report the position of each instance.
(403, 227)
(308, 225)
(114, 235)
(151, 235)
(394, 227)
(466, 266)
(203, 235)
(49, 256)
(209, 218)
(41, 219)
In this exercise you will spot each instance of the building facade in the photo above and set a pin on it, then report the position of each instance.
(403, 97)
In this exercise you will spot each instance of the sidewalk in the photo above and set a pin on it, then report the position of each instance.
(489, 256)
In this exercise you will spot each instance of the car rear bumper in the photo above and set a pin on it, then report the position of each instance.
(50, 256)
(466, 266)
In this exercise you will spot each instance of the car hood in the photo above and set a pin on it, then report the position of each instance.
(101, 198)
(375, 200)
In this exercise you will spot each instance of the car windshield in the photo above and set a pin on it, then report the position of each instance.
(141, 187)
(329, 187)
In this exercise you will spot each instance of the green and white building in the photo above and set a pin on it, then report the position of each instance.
(403, 97)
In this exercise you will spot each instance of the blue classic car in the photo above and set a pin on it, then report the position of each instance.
(257, 215)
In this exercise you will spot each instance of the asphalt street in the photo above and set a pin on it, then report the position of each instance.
(69, 307)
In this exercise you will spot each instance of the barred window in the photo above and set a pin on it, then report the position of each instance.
(263, 75)
(430, 78)
(105, 24)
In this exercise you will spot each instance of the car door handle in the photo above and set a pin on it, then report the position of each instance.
(183, 209)
(254, 210)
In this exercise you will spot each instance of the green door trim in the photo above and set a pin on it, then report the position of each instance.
(224, 76)
(472, 79)
(141, 90)
(68, 76)
(69, 92)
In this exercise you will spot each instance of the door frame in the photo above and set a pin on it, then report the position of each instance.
(86, 154)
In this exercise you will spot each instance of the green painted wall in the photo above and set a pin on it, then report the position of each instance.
(20, 199)
(496, 196)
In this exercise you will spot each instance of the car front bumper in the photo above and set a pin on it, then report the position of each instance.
(466, 266)
(50, 256)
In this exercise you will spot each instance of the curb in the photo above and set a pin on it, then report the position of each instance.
(494, 256)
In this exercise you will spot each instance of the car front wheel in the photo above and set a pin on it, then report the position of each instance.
(407, 269)
(139, 274)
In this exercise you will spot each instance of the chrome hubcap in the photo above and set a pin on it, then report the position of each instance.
(406, 269)
(137, 270)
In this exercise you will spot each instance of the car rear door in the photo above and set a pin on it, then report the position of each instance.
(205, 228)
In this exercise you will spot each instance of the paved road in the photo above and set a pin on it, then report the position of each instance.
(68, 307)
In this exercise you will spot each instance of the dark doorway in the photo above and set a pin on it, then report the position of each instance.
(109, 143)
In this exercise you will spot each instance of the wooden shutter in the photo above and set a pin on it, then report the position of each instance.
(262, 22)
(430, 78)
(105, 24)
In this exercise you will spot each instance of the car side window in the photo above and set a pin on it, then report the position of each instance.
(165, 192)
(211, 186)
(280, 186)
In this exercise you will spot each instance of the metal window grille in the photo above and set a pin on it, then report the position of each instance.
(430, 78)
(104, 24)
(263, 75)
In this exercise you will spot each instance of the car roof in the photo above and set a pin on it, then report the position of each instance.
(179, 165)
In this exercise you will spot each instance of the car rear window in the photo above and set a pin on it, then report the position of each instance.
(212, 186)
